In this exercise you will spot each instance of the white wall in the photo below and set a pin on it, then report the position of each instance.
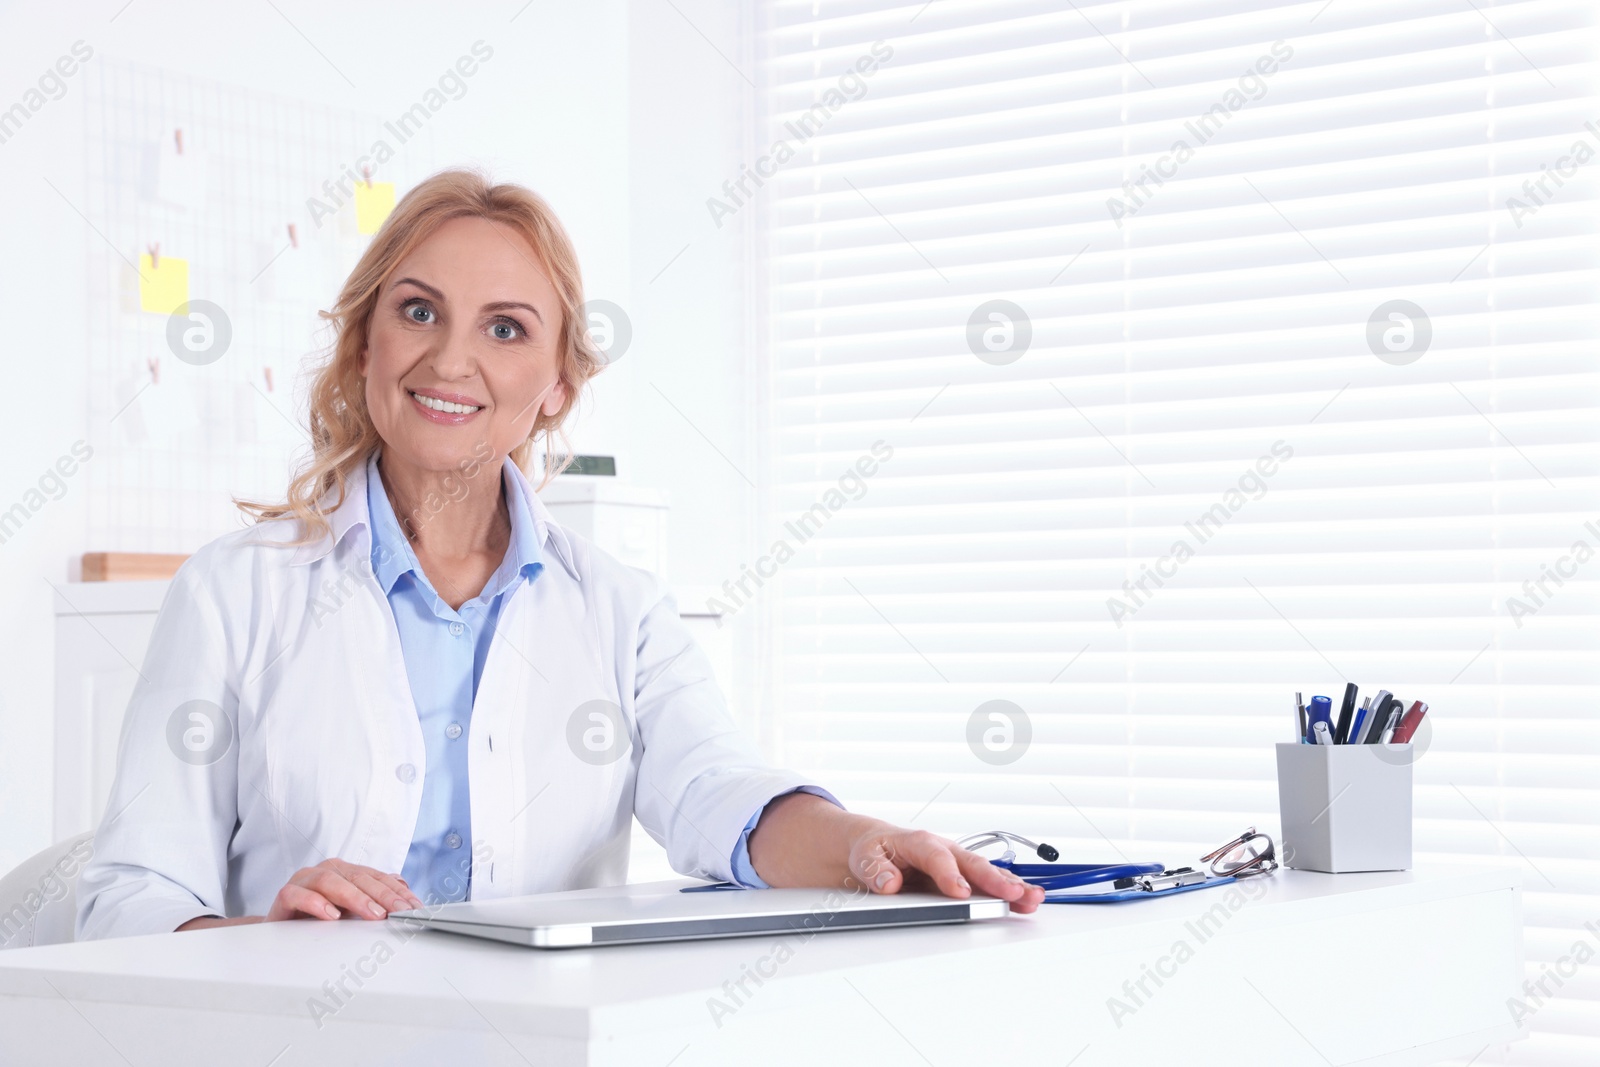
(692, 393)
(619, 113)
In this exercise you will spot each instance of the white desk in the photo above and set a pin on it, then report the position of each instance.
(1320, 969)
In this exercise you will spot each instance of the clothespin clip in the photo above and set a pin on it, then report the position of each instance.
(294, 238)
(266, 372)
(366, 174)
(155, 254)
(177, 139)
(155, 369)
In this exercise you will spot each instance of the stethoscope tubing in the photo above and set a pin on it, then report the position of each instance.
(1050, 876)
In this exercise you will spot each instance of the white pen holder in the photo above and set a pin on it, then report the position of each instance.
(1345, 807)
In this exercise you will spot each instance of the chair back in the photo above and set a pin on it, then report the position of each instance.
(39, 898)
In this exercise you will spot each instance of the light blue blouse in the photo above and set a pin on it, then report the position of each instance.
(444, 650)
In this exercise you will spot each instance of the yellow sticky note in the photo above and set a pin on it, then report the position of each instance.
(163, 286)
(373, 204)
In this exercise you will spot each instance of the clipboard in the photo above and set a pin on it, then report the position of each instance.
(1116, 896)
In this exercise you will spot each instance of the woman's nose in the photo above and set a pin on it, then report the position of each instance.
(452, 358)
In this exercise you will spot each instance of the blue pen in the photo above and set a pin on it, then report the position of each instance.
(1321, 711)
(1355, 727)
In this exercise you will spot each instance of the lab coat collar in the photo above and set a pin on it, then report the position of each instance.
(349, 512)
(392, 555)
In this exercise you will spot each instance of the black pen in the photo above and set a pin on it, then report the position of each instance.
(1379, 718)
(1300, 715)
(1341, 732)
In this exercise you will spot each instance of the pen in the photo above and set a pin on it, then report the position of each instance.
(1300, 718)
(1391, 722)
(1377, 716)
(1408, 725)
(1341, 732)
(1321, 731)
(1321, 711)
(1361, 717)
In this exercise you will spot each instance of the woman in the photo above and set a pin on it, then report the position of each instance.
(406, 684)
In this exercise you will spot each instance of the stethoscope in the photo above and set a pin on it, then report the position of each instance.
(1047, 875)
(1050, 875)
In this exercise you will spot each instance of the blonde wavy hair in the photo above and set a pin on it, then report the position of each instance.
(342, 433)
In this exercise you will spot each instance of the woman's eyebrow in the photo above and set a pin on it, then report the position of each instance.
(424, 286)
(507, 305)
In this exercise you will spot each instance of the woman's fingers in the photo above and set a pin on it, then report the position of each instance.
(989, 878)
(933, 857)
(334, 888)
(1028, 903)
(398, 882)
(914, 850)
(332, 884)
(293, 900)
(387, 891)
(875, 866)
(889, 860)
(997, 882)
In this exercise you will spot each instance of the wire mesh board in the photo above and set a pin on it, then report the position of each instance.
(192, 188)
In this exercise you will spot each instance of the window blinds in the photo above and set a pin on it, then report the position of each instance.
(1134, 365)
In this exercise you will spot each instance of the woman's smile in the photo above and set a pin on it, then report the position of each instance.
(452, 409)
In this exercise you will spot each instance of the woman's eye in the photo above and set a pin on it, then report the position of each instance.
(420, 313)
(503, 331)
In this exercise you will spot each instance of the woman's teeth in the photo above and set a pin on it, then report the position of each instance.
(444, 405)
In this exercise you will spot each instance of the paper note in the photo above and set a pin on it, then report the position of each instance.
(164, 285)
(181, 178)
(373, 204)
(162, 410)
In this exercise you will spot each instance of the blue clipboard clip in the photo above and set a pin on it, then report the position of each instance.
(1144, 886)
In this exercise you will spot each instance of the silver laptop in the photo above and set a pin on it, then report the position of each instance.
(635, 914)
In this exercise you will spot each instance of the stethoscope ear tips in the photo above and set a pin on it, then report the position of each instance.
(1048, 853)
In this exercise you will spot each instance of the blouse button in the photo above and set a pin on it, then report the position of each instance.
(453, 731)
(452, 840)
(456, 628)
(406, 773)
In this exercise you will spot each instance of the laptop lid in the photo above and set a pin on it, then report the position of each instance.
(634, 914)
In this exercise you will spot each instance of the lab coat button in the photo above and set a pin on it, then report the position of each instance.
(406, 773)
(452, 840)
(453, 731)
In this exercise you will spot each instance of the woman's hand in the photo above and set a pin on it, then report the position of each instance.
(334, 889)
(330, 890)
(803, 840)
(887, 859)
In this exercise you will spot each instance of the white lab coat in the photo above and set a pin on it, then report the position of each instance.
(298, 648)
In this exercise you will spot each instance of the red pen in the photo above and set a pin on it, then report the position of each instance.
(1409, 723)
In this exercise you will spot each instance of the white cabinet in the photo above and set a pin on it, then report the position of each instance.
(102, 629)
(628, 521)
